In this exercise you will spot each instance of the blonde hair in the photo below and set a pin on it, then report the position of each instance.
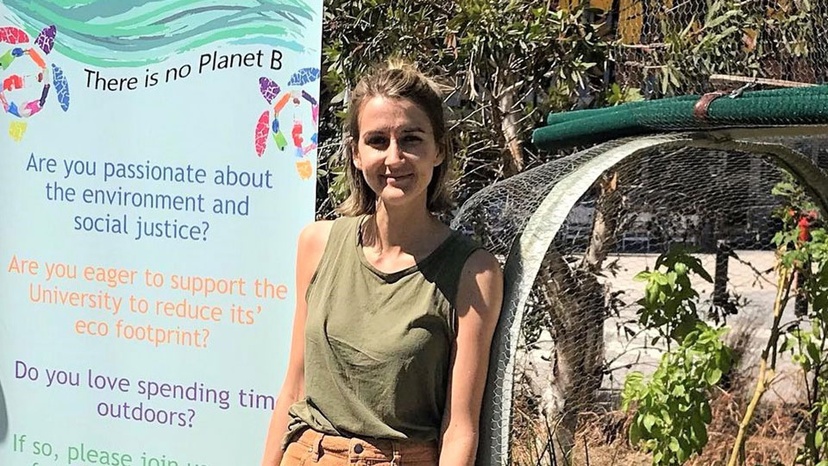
(397, 80)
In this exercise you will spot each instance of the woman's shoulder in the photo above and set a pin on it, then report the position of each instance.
(483, 261)
(470, 257)
(481, 286)
(314, 236)
(477, 254)
(315, 233)
(478, 260)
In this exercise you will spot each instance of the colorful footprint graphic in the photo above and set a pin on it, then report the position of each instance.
(287, 117)
(27, 78)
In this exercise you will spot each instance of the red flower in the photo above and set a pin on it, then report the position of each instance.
(804, 225)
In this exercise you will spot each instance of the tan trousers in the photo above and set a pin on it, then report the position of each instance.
(312, 448)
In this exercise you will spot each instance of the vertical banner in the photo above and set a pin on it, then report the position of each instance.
(157, 162)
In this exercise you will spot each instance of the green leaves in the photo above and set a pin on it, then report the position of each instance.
(726, 37)
(803, 247)
(672, 407)
(616, 95)
(506, 65)
(669, 303)
(809, 349)
(713, 376)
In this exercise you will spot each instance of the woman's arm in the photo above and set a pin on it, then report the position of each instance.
(312, 242)
(479, 299)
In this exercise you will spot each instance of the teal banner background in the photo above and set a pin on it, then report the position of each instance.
(157, 162)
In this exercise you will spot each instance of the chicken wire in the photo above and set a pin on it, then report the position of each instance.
(684, 42)
(568, 334)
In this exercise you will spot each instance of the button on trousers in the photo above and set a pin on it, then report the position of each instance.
(312, 448)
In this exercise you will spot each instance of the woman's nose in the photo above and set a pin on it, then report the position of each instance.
(394, 154)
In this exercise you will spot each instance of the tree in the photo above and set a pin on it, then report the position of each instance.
(506, 66)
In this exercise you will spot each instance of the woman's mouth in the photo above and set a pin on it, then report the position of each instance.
(396, 177)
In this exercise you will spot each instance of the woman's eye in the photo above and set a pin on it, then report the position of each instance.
(375, 141)
(412, 139)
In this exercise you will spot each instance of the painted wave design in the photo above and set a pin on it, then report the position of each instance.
(108, 33)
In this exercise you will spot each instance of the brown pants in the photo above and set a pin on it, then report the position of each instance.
(312, 448)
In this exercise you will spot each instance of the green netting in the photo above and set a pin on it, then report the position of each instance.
(779, 107)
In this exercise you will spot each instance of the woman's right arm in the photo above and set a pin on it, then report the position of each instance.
(312, 242)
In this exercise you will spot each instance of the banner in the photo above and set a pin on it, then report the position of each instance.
(157, 162)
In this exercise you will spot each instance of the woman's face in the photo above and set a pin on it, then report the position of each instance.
(396, 151)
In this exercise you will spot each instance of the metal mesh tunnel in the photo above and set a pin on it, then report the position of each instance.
(567, 232)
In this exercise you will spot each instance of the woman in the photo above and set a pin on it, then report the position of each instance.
(395, 312)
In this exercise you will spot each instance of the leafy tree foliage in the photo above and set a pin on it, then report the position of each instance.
(504, 63)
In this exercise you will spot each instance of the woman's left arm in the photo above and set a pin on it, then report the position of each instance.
(478, 303)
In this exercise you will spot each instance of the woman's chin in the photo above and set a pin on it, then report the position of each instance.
(396, 197)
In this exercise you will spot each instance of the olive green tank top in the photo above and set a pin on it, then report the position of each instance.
(377, 345)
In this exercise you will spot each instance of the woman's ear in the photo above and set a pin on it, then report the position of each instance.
(354, 153)
(441, 156)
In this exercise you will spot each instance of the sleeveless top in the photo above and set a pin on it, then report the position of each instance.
(377, 345)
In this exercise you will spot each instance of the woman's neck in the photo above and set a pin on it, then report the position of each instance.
(403, 230)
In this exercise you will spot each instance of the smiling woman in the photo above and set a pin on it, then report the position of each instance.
(395, 311)
(405, 101)
(396, 151)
